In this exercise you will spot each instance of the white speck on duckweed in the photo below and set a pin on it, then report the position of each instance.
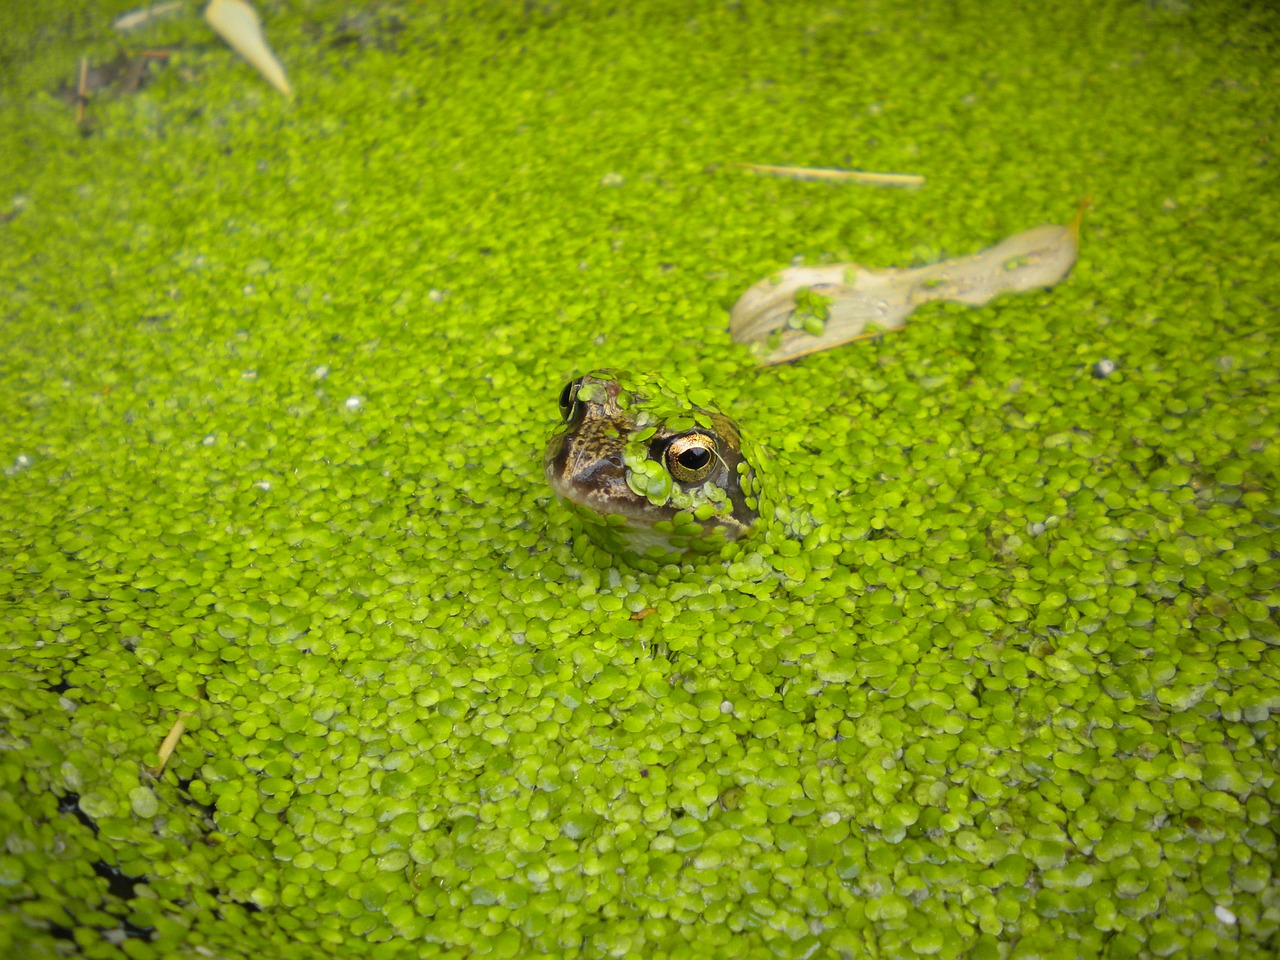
(20, 462)
(1001, 669)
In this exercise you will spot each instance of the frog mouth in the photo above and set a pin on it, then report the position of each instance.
(600, 487)
(643, 514)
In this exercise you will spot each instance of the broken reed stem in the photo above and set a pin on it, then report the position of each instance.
(82, 91)
(170, 743)
(823, 173)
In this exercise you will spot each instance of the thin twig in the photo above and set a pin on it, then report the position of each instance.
(170, 743)
(823, 173)
(82, 92)
(138, 69)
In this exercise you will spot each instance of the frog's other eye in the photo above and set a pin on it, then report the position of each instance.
(690, 458)
(570, 408)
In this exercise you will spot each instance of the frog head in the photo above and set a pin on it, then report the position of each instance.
(654, 475)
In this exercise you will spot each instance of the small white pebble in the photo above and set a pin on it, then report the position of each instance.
(726, 707)
(353, 403)
(210, 440)
(1225, 915)
(263, 484)
(320, 372)
(1104, 368)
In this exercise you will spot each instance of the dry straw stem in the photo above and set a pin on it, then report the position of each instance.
(823, 173)
(170, 743)
(82, 90)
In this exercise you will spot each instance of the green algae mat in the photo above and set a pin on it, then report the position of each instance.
(275, 382)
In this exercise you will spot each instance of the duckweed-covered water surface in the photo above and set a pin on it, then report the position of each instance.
(1001, 677)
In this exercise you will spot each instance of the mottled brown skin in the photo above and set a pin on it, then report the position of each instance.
(585, 460)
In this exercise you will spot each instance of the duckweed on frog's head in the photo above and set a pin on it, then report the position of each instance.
(654, 475)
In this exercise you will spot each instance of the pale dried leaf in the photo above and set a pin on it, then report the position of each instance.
(144, 15)
(859, 301)
(237, 23)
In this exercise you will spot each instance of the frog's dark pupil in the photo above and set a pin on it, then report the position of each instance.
(568, 399)
(694, 458)
(689, 458)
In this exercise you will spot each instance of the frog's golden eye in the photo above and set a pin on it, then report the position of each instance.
(690, 458)
(570, 408)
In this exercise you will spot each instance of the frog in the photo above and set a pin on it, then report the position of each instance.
(657, 473)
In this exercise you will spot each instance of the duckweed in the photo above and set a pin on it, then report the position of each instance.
(999, 678)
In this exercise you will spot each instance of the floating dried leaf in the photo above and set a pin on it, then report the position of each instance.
(237, 23)
(804, 310)
(136, 18)
(823, 173)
